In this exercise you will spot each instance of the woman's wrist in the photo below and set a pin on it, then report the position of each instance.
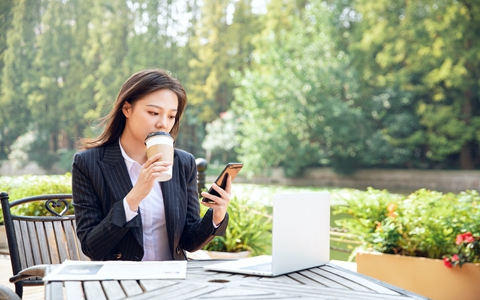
(132, 202)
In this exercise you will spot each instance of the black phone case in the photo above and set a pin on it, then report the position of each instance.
(221, 180)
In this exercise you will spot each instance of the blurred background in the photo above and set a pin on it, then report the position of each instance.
(286, 85)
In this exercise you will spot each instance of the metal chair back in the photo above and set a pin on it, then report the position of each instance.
(49, 238)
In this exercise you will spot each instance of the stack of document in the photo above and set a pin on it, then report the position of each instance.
(117, 270)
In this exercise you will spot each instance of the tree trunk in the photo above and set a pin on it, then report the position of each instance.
(466, 161)
(54, 141)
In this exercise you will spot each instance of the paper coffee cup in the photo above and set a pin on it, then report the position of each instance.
(161, 142)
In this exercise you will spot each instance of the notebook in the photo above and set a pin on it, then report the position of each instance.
(300, 237)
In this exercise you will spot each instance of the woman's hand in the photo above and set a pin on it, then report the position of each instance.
(221, 203)
(149, 172)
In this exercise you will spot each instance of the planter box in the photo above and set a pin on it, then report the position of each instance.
(424, 276)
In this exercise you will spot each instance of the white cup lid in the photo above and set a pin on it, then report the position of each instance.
(163, 133)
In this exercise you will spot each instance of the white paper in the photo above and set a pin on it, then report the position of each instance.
(118, 270)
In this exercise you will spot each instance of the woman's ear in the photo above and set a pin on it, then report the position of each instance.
(127, 109)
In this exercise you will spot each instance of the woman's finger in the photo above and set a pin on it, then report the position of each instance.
(154, 158)
(228, 186)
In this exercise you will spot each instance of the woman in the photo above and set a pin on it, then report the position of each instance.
(122, 212)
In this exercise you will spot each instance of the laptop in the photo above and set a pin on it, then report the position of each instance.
(300, 237)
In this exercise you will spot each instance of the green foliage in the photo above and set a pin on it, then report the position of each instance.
(424, 223)
(397, 134)
(221, 43)
(468, 251)
(438, 72)
(20, 149)
(66, 160)
(220, 141)
(346, 84)
(40, 152)
(6, 16)
(297, 102)
(445, 134)
(32, 146)
(16, 72)
(249, 229)
(19, 187)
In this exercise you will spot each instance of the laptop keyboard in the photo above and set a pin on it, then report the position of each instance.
(266, 267)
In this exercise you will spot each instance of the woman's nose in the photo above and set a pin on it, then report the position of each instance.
(161, 124)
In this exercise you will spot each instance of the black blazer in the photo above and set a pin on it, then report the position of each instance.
(100, 181)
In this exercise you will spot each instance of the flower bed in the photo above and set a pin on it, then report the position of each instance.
(423, 224)
(416, 241)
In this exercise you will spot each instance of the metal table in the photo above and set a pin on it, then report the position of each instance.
(325, 282)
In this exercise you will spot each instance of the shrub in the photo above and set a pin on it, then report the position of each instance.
(468, 251)
(424, 223)
(19, 187)
(249, 229)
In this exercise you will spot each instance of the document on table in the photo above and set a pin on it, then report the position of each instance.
(118, 270)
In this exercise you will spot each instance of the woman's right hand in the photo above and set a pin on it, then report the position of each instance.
(149, 173)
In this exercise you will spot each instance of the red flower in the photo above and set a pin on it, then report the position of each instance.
(468, 251)
(447, 262)
(466, 237)
(469, 239)
(459, 239)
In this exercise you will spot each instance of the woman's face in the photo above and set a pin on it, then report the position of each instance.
(154, 112)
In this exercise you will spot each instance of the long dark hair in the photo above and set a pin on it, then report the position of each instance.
(135, 88)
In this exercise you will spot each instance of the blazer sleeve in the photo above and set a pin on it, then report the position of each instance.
(101, 222)
(197, 232)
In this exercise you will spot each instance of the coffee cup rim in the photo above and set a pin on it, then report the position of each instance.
(157, 133)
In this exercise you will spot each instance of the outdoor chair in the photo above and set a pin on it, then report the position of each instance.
(37, 241)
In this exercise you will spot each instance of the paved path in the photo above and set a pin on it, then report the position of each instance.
(29, 293)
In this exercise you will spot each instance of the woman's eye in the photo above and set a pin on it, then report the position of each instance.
(173, 117)
(153, 113)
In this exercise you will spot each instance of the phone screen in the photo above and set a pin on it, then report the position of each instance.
(231, 169)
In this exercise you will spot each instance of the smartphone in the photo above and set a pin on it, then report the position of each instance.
(231, 170)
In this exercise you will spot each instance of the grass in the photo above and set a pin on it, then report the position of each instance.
(264, 193)
(214, 169)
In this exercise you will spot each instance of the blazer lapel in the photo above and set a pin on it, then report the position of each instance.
(115, 171)
(172, 209)
(116, 175)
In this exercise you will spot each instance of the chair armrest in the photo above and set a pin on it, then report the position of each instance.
(33, 271)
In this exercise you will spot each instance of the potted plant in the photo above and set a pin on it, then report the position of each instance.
(248, 231)
(406, 240)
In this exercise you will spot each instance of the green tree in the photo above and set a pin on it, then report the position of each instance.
(160, 38)
(78, 89)
(221, 139)
(6, 17)
(51, 64)
(16, 79)
(111, 22)
(222, 43)
(297, 101)
(63, 77)
(424, 51)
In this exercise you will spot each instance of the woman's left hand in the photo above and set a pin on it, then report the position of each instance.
(221, 203)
